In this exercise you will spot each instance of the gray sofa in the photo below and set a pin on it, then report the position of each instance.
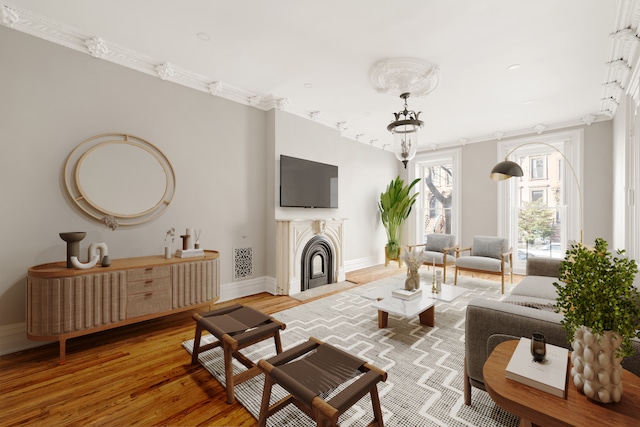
(528, 309)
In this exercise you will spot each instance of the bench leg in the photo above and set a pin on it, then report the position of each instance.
(196, 344)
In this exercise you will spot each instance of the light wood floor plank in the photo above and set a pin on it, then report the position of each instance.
(133, 375)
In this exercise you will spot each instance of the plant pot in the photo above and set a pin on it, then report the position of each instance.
(392, 255)
(596, 371)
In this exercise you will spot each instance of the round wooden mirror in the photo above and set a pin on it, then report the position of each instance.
(119, 176)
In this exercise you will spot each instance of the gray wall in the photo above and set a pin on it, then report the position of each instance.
(223, 153)
(480, 194)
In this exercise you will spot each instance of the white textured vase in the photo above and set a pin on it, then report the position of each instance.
(596, 372)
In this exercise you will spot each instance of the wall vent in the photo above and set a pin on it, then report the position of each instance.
(242, 263)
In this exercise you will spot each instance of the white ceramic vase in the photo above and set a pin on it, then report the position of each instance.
(596, 372)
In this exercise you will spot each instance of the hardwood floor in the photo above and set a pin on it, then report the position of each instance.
(133, 375)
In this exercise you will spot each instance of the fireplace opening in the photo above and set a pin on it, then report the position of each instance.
(317, 263)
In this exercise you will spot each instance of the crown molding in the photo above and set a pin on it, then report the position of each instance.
(623, 72)
(623, 65)
(537, 129)
(91, 44)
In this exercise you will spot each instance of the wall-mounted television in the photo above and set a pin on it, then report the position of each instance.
(307, 184)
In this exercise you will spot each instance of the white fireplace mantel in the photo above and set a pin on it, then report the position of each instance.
(292, 236)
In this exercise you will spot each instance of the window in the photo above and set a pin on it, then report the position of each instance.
(436, 209)
(538, 195)
(541, 211)
(538, 168)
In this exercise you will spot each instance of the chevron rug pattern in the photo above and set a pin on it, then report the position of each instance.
(424, 364)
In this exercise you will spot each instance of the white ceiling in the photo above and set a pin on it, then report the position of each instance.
(276, 47)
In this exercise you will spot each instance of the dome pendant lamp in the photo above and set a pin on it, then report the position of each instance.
(405, 129)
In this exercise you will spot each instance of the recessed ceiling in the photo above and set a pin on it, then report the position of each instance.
(317, 55)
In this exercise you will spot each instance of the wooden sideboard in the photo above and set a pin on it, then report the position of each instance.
(63, 302)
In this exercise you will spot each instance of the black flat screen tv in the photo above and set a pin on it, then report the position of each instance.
(307, 184)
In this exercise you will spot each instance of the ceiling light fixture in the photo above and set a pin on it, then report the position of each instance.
(405, 132)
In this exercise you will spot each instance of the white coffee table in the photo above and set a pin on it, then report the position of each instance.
(423, 306)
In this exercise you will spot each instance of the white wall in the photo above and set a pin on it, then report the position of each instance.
(363, 173)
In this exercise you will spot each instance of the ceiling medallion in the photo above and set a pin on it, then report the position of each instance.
(401, 75)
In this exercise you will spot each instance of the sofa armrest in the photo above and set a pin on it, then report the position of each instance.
(488, 322)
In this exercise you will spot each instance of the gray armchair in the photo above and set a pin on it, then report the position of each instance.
(439, 249)
(488, 255)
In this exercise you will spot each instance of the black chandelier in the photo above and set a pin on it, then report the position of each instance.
(405, 132)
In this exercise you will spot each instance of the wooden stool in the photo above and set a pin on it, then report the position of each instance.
(319, 372)
(236, 327)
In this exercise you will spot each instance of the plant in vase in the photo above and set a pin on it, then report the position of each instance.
(414, 261)
(601, 309)
(395, 206)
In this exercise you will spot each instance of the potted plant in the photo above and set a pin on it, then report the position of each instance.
(395, 206)
(601, 309)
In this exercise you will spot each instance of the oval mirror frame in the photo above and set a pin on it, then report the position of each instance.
(87, 193)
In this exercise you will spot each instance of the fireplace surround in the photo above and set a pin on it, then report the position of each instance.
(293, 236)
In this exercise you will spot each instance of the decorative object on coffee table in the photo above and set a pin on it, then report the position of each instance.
(414, 260)
(601, 310)
(395, 206)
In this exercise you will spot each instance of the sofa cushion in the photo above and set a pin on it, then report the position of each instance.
(437, 242)
(479, 263)
(538, 287)
(488, 246)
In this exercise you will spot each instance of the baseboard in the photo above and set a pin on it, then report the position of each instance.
(245, 288)
(13, 338)
(360, 263)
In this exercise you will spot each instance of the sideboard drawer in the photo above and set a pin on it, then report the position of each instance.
(162, 283)
(139, 274)
(148, 303)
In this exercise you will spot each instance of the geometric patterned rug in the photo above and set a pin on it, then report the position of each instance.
(424, 364)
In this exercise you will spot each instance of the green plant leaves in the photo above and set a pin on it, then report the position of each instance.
(598, 292)
(395, 206)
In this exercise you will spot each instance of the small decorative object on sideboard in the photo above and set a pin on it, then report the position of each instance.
(73, 239)
(168, 241)
(600, 306)
(198, 231)
(93, 257)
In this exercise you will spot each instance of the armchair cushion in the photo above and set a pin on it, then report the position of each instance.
(437, 242)
(487, 246)
(479, 263)
(437, 257)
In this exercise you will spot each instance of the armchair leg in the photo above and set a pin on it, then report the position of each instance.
(455, 278)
